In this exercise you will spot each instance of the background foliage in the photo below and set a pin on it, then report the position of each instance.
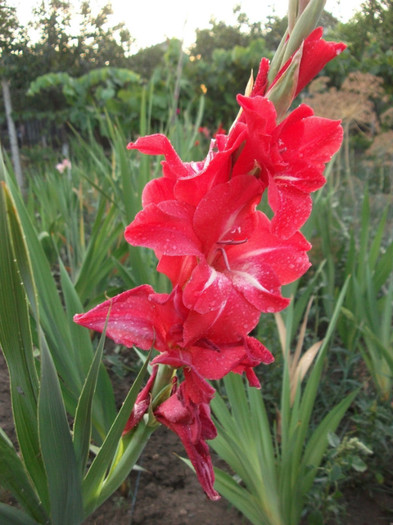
(215, 65)
(93, 94)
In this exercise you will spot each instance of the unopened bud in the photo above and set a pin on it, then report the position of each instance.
(282, 92)
(305, 24)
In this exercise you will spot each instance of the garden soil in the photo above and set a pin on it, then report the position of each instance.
(167, 491)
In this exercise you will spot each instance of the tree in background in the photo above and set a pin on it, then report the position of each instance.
(221, 56)
(374, 22)
(60, 48)
(224, 54)
(11, 45)
(369, 35)
(97, 44)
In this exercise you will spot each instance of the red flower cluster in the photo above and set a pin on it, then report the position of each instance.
(226, 259)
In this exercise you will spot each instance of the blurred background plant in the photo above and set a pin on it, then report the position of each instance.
(73, 223)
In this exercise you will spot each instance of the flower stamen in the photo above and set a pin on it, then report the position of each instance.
(232, 241)
(225, 257)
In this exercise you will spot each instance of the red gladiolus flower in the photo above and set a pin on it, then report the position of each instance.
(316, 53)
(192, 423)
(197, 342)
(219, 247)
(289, 158)
(186, 412)
(226, 259)
(186, 182)
(141, 404)
(144, 318)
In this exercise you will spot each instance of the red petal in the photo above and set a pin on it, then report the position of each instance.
(192, 430)
(256, 353)
(173, 411)
(235, 318)
(316, 54)
(206, 289)
(286, 257)
(292, 208)
(220, 214)
(313, 139)
(166, 228)
(216, 170)
(260, 83)
(131, 321)
(158, 190)
(257, 282)
(196, 388)
(142, 403)
(260, 153)
(177, 268)
(218, 362)
(159, 144)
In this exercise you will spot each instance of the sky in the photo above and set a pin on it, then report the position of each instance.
(151, 21)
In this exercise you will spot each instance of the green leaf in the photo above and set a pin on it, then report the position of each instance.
(336, 473)
(130, 449)
(104, 409)
(316, 446)
(358, 464)
(239, 497)
(16, 340)
(56, 324)
(13, 477)
(51, 314)
(82, 346)
(11, 516)
(384, 267)
(83, 415)
(283, 91)
(333, 439)
(245, 443)
(64, 480)
(303, 27)
(308, 397)
(376, 244)
(48, 81)
(94, 480)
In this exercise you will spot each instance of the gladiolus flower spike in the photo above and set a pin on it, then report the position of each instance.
(226, 259)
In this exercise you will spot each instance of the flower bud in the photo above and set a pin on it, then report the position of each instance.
(283, 91)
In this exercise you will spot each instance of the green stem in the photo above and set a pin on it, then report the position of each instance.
(133, 445)
(162, 385)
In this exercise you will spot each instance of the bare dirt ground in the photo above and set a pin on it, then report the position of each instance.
(169, 493)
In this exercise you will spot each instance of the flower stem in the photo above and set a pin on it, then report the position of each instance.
(133, 445)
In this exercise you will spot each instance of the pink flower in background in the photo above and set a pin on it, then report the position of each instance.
(65, 164)
(204, 131)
